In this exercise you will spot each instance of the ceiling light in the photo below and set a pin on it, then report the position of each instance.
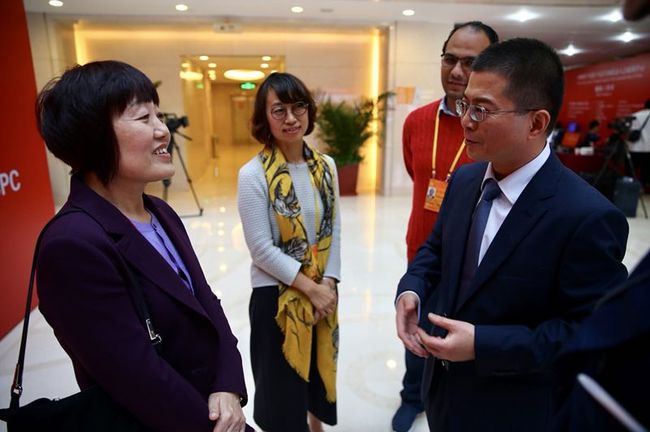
(212, 65)
(408, 12)
(191, 75)
(570, 50)
(523, 15)
(204, 58)
(627, 37)
(243, 74)
(181, 7)
(264, 65)
(613, 16)
(266, 58)
(185, 64)
(297, 9)
(55, 3)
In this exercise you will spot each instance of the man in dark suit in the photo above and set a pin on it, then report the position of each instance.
(521, 251)
(611, 347)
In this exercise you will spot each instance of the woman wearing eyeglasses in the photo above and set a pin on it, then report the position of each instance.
(288, 204)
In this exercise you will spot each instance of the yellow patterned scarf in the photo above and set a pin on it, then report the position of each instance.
(295, 311)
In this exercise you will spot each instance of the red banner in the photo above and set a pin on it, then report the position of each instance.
(605, 91)
(25, 193)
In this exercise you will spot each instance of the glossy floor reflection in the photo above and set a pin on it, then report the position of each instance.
(373, 255)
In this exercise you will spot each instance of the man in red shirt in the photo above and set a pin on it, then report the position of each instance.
(433, 146)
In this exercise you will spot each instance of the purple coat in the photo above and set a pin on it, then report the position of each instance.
(83, 295)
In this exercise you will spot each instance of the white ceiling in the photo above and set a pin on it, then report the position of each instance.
(558, 22)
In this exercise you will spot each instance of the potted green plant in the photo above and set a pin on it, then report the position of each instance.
(345, 127)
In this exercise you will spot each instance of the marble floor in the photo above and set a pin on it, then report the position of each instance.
(373, 255)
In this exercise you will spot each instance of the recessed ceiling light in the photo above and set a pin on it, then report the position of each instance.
(181, 7)
(627, 37)
(266, 58)
(243, 74)
(570, 50)
(264, 65)
(191, 75)
(613, 16)
(55, 3)
(408, 12)
(204, 58)
(212, 65)
(297, 9)
(185, 64)
(523, 15)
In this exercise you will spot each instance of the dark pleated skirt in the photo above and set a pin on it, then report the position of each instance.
(282, 398)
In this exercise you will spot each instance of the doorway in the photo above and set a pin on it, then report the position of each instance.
(220, 111)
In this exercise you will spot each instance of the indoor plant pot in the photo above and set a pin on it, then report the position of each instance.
(345, 127)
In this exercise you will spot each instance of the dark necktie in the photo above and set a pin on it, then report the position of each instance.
(479, 220)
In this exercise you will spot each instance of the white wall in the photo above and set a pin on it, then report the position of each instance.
(413, 61)
(336, 62)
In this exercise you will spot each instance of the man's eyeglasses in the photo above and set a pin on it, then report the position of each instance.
(279, 112)
(450, 60)
(478, 113)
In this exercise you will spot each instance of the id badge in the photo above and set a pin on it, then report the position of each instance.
(435, 194)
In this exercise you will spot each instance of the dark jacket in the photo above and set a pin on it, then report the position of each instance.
(82, 286)
(557, 252)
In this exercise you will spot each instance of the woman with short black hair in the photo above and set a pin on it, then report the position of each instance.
(103, 120)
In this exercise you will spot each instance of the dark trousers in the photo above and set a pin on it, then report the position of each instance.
(412, 381)
(641, 163)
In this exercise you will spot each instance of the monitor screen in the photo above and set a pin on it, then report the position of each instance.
(572, 126)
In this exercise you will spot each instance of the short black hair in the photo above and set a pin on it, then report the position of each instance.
(75, 114)
(533, 70)
(477, 26)
(289, 89)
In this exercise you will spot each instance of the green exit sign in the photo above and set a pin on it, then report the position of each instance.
(247, 86)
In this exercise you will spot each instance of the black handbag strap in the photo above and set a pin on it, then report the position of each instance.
(645, 122)
(135, 292)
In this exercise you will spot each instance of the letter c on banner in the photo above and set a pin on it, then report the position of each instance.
(11, 180)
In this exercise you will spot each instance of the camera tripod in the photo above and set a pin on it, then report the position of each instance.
(619, 148)
(166, 182)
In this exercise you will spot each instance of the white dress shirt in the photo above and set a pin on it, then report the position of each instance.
(511, 188)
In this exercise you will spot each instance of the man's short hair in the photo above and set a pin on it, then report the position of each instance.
(533, 71)
(477, 26)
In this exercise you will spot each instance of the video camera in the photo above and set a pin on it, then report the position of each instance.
(621, 125)
(174, 122)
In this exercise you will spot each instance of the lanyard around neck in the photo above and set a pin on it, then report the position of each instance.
(435, 149)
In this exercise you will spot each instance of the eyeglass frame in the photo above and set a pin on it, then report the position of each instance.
(484, 112)
(298, 109)
(465, 62)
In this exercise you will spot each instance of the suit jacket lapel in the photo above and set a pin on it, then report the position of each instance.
(133, 246)
(521, 219)
(184, 249)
